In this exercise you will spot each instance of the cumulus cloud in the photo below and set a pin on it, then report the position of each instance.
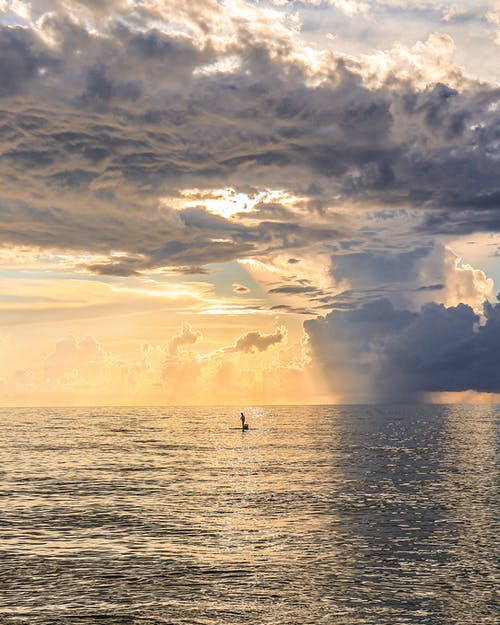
(409, 278)
(463, 283)
(379, 353)
(258, 342)
(187, 336)
(82, 370)
(83, 356)
(223, 375)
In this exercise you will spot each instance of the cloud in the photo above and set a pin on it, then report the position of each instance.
(256, 342)
(240, 289)
(369, 268)
(75, 356)
(187, 336)
(350, 7)
(24, 59)
(83, 370)
(408, 278)
(223, 375)
(294, 290)
(379, 353)
(172, 137)
(89, 156)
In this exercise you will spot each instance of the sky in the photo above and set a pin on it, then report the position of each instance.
(230, 202)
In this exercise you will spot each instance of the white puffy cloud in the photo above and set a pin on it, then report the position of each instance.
(247, 370)
(82, 356)
(187, 336)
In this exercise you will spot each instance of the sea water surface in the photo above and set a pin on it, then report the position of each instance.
(343, 515)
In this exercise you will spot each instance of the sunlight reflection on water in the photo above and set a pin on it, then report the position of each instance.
(347, 515)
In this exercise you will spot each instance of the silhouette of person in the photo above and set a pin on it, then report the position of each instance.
(242, 421)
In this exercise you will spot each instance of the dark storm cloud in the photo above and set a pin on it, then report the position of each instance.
(486, 218)
(395, 355)
(98, 127)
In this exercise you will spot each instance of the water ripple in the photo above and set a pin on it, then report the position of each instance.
(322, 515)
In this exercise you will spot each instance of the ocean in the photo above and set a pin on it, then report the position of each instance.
(338, 515)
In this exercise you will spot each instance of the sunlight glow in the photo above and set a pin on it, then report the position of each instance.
(228, 202)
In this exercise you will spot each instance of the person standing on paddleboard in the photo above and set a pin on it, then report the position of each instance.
(242, 421)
